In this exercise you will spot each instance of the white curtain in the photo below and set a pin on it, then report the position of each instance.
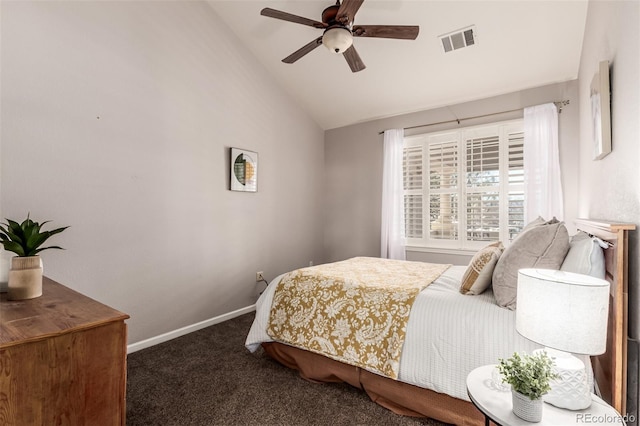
(542, 179)
(392, 233)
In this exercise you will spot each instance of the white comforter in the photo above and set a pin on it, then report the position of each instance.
(448, 334)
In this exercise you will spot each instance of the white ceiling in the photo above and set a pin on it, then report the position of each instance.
(520, 44)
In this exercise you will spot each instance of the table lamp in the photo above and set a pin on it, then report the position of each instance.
(567, 313)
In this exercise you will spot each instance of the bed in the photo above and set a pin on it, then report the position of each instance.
(432, 372)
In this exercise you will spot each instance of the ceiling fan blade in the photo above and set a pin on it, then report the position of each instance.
(278, 14)
(406, 32)
(347, 11)
(353, 59)
(303, 51)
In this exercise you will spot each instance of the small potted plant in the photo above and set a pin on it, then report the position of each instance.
(25, 240)
(529, 377)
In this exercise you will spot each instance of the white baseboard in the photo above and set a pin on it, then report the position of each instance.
(188, 329)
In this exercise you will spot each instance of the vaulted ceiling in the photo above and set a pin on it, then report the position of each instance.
(519, 44)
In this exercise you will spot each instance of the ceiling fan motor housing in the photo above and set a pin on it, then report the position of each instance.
(329, 14)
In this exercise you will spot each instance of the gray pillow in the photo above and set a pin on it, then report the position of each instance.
(543, 246)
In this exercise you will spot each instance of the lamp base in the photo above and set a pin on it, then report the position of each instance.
(571, 390)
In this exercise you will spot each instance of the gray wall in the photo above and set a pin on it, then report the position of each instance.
(610, 188)
(117, 118)
(353, 166)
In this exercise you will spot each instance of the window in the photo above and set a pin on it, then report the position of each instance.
(464, 188)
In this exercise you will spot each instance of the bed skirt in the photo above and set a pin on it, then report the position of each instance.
(401, 398)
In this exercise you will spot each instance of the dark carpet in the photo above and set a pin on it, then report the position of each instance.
(209, 378)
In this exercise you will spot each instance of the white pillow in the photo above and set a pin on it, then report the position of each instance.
(585, 256)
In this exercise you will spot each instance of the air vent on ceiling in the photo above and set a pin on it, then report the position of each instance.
(458, 39)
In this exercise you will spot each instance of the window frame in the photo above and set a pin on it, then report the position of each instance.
(502, 130)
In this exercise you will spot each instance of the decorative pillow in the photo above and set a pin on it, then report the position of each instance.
(543, 246)
(585, 256)
(477, 277)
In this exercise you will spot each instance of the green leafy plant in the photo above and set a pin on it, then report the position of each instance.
(528, 374)
(25, 239)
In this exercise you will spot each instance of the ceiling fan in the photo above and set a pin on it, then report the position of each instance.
(337, 23)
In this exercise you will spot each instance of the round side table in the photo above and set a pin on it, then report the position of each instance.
(494, 401)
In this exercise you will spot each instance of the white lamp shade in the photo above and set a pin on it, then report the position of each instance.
(337, 40)
(563, 310)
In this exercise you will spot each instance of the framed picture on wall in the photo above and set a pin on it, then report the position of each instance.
(244, 170)
(601, 111)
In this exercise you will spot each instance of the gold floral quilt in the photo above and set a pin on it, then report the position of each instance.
(354, 311)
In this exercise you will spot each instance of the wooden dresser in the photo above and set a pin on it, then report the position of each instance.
(62, 360)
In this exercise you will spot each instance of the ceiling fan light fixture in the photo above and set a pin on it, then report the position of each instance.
(338, 39)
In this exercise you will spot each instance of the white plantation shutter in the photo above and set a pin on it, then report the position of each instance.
(483, 161)
(482, 178)
(516, 183)
(443, 165)
(483, 216)
(443, 188)
(473, 181)
(443, 217)
(412, 178)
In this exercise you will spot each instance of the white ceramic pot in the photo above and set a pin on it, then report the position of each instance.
(525, 408)
(25, 278)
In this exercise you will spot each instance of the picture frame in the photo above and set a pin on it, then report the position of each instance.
(601, 111)
(244, 170)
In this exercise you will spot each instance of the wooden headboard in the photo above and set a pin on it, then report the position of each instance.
(610, 368)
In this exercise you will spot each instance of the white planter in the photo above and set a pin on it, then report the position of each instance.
(25, 278)
(525, 408)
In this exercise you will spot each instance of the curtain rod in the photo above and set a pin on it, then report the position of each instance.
(558, 104)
